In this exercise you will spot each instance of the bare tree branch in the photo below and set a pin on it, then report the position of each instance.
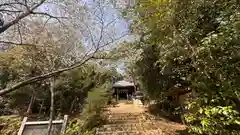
(52, 85)
(14, 43)
(110, 23)
(20, 17)
(101, 30)
(23, 44)
(12, 11)
(91, 35)
(41, 77)
(26, 4)
(50, 16)
(20, 34)
(9, 4)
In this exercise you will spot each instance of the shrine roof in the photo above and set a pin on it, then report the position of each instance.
(122, 84)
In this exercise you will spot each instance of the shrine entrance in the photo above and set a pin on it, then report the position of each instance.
(123, 90)
(123, 95)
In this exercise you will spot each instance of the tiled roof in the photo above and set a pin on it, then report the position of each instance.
(122, 84)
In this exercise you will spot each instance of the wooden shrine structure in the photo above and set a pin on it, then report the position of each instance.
(123, 90)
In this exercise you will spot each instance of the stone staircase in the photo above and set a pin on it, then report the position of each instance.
(129, 124)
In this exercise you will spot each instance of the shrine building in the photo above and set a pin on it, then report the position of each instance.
(123, 90)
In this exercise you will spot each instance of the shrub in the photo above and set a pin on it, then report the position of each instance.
(92, 115)
(9, 125)
(214, 120)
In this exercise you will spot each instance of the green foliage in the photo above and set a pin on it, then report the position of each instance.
(92, 115)
(194, 45)
(71, 87)
(9, 125)
(215, 120)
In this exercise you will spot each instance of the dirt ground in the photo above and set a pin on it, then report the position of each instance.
(126, 108)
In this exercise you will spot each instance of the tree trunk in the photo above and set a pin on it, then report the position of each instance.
(236, 101)
(29, 110)
(134, 80)
(41, 108)
(52, 105)
(182, 113)
(72, 105)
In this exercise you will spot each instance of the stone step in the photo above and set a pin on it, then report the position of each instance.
(130, 124)
(129, 115)
(135, 113)
(120, 125)
(133, 132)
(128, 127)
(125, 114)
(125, 117)
(124, 121)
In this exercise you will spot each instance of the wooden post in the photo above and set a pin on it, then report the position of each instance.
(117, 94)
(20, 132)
(64, 125)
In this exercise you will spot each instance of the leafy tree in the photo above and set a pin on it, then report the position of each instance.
(192, 45)
(86, 22)
(44, 46)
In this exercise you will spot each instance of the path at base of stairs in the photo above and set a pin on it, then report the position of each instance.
(131, 119)
(126, 108)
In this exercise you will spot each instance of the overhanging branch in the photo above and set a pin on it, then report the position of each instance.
(50, 16)
(15, 43)
(57, 72)
(41, 77)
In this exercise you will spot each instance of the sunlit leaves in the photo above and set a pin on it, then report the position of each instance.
(196, 44)
(214, 120)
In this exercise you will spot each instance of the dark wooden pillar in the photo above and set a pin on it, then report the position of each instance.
(117, 97)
